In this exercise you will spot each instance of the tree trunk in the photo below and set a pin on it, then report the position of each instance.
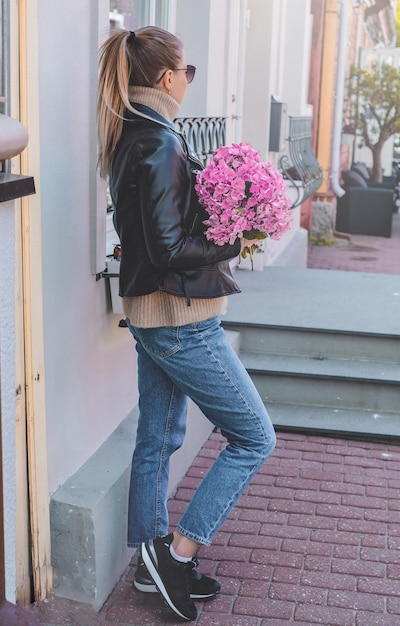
(377, 173)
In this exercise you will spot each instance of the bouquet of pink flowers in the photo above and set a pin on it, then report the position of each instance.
(243, 197)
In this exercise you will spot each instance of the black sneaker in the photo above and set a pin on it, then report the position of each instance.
(203, 587)
(172, 578)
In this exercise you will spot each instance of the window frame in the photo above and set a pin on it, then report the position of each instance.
(144, 13)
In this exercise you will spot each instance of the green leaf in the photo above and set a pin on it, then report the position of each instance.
(253, 234)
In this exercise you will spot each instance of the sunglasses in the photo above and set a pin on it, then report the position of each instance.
(189, 69)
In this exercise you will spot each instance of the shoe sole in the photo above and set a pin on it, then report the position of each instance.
(210, 596)
(145, 587)
(149, 557)
(151, 588)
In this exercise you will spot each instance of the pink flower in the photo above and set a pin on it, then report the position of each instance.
(242, 195)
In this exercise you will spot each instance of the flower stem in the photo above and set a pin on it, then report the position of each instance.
(251, 257)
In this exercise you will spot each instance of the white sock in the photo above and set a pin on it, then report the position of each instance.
(177, 557)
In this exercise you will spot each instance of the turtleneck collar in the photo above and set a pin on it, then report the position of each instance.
(160, 102)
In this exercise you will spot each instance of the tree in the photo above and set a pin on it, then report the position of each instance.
(375, 109)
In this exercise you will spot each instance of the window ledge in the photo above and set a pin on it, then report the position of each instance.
(13, 186)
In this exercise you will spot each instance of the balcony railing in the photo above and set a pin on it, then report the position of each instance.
(300, 167)
(205, 134)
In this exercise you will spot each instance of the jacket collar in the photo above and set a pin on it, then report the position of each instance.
(149, 113)
(146, 113)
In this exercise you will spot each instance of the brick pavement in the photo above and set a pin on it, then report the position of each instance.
(315, 539)
(360, 253)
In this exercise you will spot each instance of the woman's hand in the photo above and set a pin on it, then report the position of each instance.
(247, 243)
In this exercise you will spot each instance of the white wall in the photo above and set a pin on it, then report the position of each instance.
(7, 388)
(218, 60)
(192, 20)
(89, 362)
(277, 64)
(213, 32)
(204, 30)
(260, 82)
(297, 50)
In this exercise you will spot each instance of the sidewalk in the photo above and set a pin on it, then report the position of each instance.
(360, 253)
(315, 539)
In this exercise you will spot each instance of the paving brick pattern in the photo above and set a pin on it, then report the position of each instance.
(360, 253)
(315, 539)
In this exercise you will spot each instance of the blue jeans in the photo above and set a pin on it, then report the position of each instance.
(195, 361)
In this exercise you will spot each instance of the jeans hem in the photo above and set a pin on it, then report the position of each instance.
(194, 537)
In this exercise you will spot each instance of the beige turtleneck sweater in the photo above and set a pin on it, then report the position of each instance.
(160, 308)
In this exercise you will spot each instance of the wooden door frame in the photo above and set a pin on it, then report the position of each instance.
(33, 307)
(9, 614)
(33, 568)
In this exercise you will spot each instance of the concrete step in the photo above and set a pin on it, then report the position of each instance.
(322, 347)
(322, 367)
(327, 383)
(326, 300)
(337, 422)
(317, 343)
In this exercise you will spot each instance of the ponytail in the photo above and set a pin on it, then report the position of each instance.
(128, 59)
(112, 96)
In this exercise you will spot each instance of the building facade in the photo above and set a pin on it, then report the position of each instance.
(69, 432)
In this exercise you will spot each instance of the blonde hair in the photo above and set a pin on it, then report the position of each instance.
(128, 59)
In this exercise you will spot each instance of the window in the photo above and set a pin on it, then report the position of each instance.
(124, 14)
(132, 14)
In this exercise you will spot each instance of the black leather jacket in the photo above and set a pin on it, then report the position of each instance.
(158, 217)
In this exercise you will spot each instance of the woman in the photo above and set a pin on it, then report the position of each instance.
(174, 284)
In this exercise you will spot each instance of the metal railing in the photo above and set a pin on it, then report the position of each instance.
(205, 134)
(301, 167)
